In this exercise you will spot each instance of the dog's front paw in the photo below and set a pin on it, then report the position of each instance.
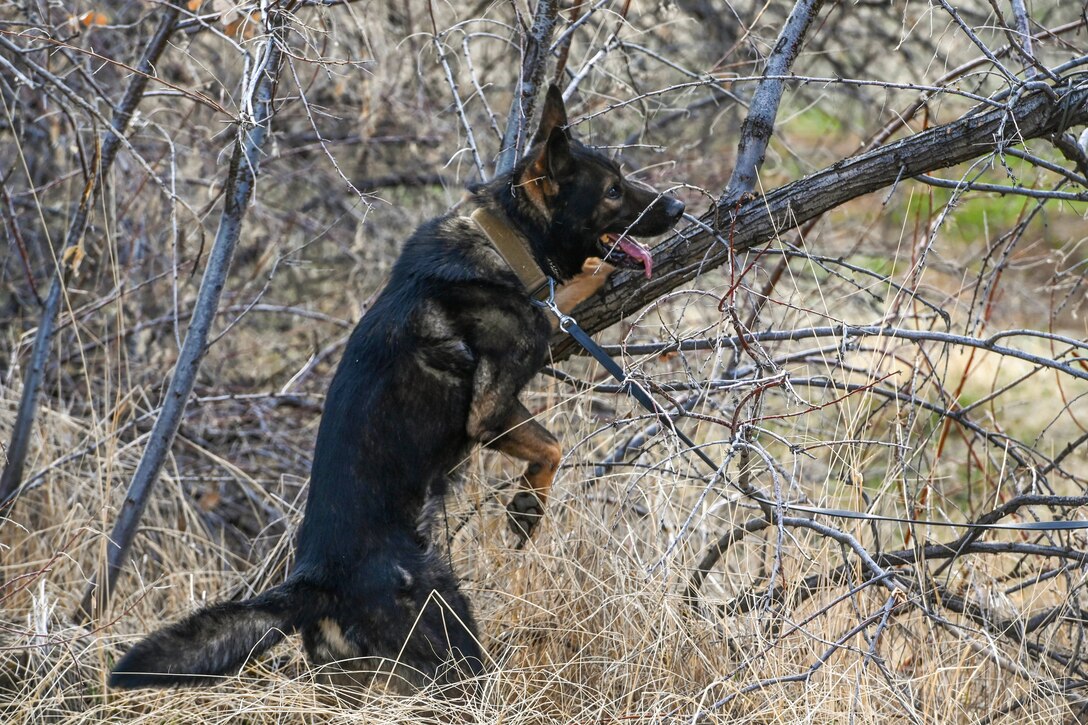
(524, 513)
(595, 272)
(596, 265)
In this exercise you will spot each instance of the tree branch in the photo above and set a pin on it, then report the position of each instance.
(725, 230)
(756, 131)
(534, 63)
(43, 340)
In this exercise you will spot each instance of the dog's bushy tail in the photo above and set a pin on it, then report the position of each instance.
(214, 641)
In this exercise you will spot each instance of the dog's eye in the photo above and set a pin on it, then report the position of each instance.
(614, 192)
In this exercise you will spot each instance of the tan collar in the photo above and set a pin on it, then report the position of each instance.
(514, 249)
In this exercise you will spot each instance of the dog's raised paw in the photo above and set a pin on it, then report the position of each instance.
(523, 513)
(597, 266)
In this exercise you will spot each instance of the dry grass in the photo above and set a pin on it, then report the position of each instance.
(586, 625)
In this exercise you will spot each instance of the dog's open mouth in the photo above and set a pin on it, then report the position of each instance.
(623, 251)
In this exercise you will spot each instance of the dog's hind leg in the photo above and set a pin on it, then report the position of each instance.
(404, 625)
(441, 646)
(530, 441)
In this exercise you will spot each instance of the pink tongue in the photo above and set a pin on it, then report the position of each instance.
(636, 251)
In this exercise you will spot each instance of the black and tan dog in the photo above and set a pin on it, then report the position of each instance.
(433, 368)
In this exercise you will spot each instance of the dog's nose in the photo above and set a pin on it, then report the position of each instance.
(673, 207)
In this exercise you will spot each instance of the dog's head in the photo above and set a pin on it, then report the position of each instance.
(590, 208)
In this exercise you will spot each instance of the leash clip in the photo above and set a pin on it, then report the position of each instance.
(565, 320)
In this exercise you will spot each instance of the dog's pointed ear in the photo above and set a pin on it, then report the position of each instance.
(551, 145)
(552, 116)
(552, 162)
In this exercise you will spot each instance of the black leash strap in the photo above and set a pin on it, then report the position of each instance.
(632, 388)
(570, 326)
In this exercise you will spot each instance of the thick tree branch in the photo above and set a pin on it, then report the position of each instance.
(724, 230)
(257, 114)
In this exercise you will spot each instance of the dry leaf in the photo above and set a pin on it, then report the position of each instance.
(93, 17)
(73, 257)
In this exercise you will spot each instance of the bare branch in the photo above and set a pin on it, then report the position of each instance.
(1003, 190)
(443, 59)
(534, 62)
(758, 127)
(242, 176)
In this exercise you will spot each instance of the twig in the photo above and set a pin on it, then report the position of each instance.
(1003, 190)
(562, 46)
(715, 552)
(1020, 12)
(1009, 75)
(1051, 166)
(876, 618)
(908, 557)
(7, 210)
(443, 60)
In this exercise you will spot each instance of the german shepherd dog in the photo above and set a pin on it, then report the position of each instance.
(433, 369)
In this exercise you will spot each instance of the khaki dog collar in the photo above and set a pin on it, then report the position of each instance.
(514, 249)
